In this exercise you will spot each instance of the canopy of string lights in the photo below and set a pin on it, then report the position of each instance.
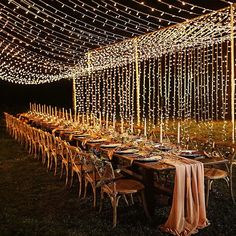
(44, 41)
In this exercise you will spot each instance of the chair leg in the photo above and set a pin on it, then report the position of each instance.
(132, 199)
(55, 166)
(43, 157)
(94, 196)
(35, 151)
(51, 162)
(85, 188)
(62, 168)
(101, 201)
(80, 184)
(145, 207)
(48, 158)
(231, 183)
(207, 191)
(72, 178)
(114, 206)
(227, 180)
(126, 200)
(67, 174)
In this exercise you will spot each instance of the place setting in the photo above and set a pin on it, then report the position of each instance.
(152, 157)
(110, 145)
(81, 135)
(163, 147)
(192, 154)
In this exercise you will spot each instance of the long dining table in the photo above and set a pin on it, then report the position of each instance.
(147, 167)
(144, 167)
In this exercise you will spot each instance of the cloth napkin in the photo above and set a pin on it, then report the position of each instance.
(188, 211)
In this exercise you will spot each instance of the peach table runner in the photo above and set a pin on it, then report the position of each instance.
(188, 211)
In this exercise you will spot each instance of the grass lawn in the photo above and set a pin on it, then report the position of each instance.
(34, 202)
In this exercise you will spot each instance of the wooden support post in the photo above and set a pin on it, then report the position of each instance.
(137, 82)
(74, 96)
(232, 70)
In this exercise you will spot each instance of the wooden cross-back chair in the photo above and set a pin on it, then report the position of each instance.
(215, 173)
(77, 157)
(115, 187)
(63, 157)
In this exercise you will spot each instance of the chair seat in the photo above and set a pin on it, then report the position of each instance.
(125, 186)
(213, 173)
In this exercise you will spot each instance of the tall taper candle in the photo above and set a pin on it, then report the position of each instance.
(145, 127)
(94, 120)
(178, 136)
(70, 114)
(161, 131)
(66, 115)
(122, 126)
(83, 118)
(100, 119)
(132, 124)
(114, 122)
(107, 121)
(87, 119)
(63, 112)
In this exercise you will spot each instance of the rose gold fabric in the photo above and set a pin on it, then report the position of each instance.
(188, 212)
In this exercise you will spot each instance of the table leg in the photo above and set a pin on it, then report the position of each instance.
(148, 180)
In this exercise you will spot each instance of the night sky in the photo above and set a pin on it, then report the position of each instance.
(15, 98)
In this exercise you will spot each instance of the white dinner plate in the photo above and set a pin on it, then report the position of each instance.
(80, 135)
(127, 151)
(190, 153)
(97, 140)
(111, 145)
(163, 148)
(151, 158)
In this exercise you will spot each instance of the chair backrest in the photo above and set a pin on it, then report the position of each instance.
(75, 154)
(106, 174)
(232, 156)
(63, 150)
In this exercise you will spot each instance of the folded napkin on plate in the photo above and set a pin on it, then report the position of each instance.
(188, 212)
(84, 142)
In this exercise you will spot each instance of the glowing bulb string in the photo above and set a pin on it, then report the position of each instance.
(63, 44)
(117, 26)
(137, 14)
(125, 20)
(123, 23)
(61, 35)
(54, 51)
(34, 27)
(30, 54)
(188, 61)
(170, 6)
(204, 9)
(153, 16)
(64, 19)
(149, 93)
(167, 44)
